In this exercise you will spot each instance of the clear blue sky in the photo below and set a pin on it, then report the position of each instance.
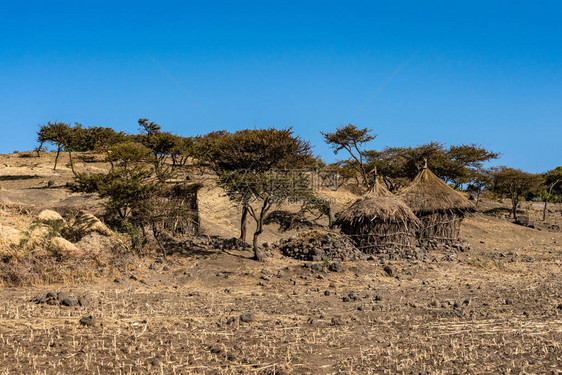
(486, 72)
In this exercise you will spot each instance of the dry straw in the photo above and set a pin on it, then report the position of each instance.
(439, 207)
(379, 222)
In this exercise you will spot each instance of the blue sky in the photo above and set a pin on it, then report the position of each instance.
(485, 72)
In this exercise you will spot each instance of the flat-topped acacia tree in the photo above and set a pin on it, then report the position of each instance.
(252, 166)
(514, 183)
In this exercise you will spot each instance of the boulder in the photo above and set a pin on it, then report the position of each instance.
(50, 216)
(64, 248)
(85, 223)
(98, 245)
(10, 238)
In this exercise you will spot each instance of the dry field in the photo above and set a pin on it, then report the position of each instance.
(496, 309)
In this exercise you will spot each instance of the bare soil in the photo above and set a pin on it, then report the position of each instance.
(496, 309)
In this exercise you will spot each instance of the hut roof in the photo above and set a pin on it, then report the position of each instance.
(427, 193)
(378, 204)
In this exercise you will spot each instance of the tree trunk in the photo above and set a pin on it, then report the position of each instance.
(477, 198)
(258, 255)
(330, 217)
(39, 149)
(243, 220)
(514, 202)
(57, 158)
(71, 162)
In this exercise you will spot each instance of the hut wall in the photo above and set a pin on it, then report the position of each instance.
(443, 227)
(382, 238)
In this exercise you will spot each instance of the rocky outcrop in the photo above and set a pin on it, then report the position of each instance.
(85, 223)
(64, 248)
(50, 216)
(10, 239)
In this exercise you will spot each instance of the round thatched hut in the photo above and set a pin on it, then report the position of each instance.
(379, 222)
(440, 208)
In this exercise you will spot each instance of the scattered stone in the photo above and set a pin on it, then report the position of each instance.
(336, 267)
(389, 270)
(155, 361)
(134, 277)
(88, 321)
(327, 293)
(508, 302)
(247, 317)
(318, 245)
(69, 301)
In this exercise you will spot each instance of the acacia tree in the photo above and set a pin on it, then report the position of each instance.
(514, 183)
(553, 188)
(478, 181)
(351, 139)
(456, 164)
(248, 164)
(55, 133)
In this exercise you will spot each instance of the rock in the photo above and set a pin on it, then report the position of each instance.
(98, 245)
(50, 216)
(134, 277)
(88, 321)
(336, 267)
(389, 270)
(64, 248)
(508, 302)
(85, 223)
(317, 267)
(118, 280)
(69, 301)
(155, 361)
(37, 235)
(247, 317)
(327, 293)
(10, 238)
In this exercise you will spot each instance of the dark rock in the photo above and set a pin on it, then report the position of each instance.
(155, 361)
(62, 295)
(336, 267)
(69, 301)
(508, 302)
(327, 293)
(317, 267)
(389, 270)
(88, 321)
(247, 317)
(118, 280)
(134, 277)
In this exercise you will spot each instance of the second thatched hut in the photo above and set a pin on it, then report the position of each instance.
(440, 208)
(380, 223)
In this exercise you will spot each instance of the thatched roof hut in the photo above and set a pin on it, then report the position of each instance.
(439, 207)
(379, 222)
